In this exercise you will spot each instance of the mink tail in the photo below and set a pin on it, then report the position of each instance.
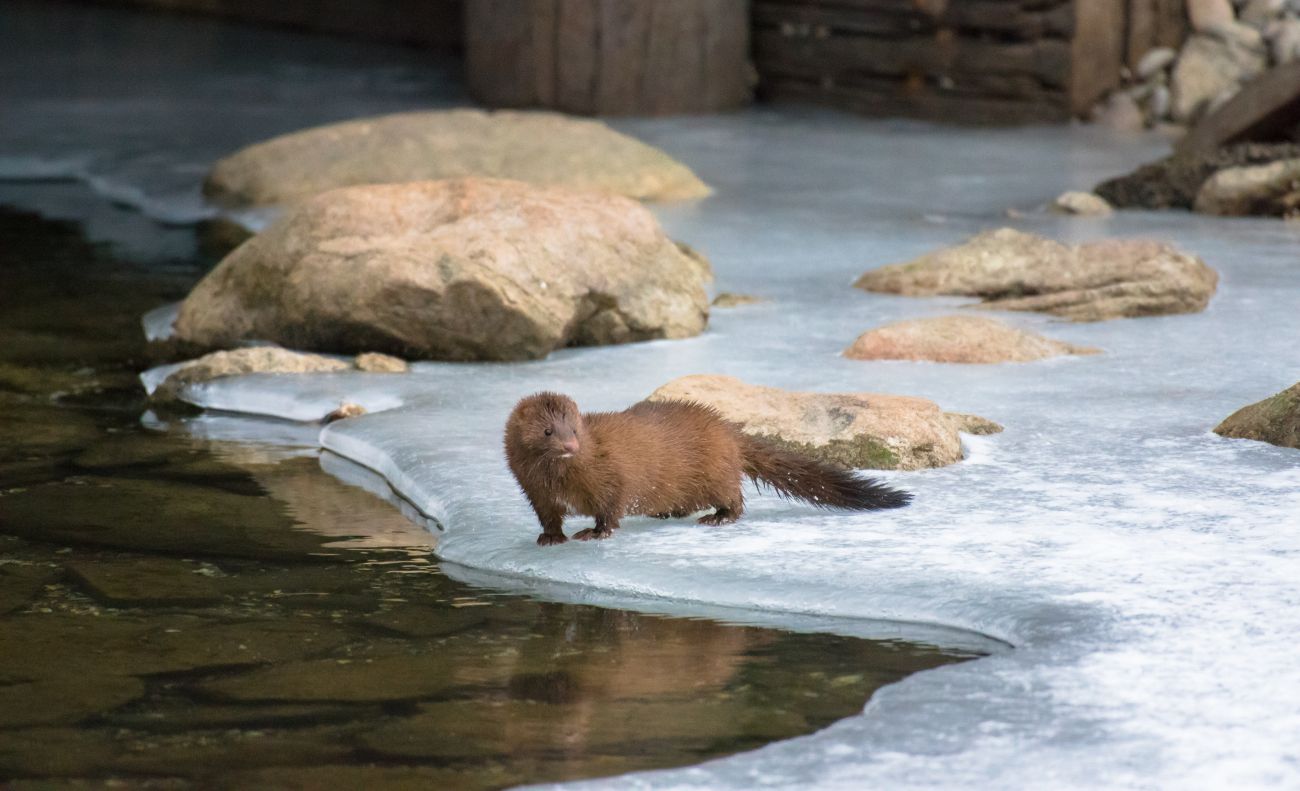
(795, 475)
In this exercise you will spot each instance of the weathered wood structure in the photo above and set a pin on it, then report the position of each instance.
(976, 61)
(598, 57)
(973, 61)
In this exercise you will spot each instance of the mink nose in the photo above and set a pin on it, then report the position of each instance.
(570, 445)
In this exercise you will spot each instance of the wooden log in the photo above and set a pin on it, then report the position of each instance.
(1151, 24)
(609, 57)
(1266, 109)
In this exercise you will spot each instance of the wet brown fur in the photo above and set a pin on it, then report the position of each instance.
(663, 459)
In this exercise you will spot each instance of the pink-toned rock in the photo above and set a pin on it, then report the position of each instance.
(859, 430)
(1013, 270)
(462, 269)
(958, 339)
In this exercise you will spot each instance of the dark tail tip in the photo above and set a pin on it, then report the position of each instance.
(893, 498)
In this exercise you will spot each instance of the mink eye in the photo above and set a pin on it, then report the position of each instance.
(547, 432)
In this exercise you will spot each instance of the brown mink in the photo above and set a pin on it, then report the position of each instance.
(664, 459)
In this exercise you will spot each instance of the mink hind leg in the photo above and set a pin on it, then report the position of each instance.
(605, 527)
(727, 508)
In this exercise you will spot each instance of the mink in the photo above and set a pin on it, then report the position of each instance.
(667, 459)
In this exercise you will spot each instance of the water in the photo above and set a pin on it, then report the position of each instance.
(1144, 568)
(178, 610)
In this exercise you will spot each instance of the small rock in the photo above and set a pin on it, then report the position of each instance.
(344, 412)
(1155, 61)
(1207, 15)
(158, 515)
(858, 430)
(1159, 104)
(1082, 203)
(1284, 40)
(1263, 190)
(1119, 112)
(1013, 270)
(146, 582)
(20, 583)
(374, 362)
(1209, 66)
(239, 362)
(388, 678)
(1259, 13)
(957, 339)
(728, 300)
(66, 700)
(1275, 420)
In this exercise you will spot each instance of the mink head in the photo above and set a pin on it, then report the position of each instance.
(549, 424)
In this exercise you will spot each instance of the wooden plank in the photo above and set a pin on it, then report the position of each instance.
(577, 36)
(1266, 109)
(1096, 51)
(609, 57)
(1151, 24)
(952, 109)
(998, 17)
(938, 56)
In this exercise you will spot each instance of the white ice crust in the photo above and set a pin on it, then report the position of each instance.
(1146, 571)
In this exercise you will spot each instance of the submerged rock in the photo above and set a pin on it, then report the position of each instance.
(1275, 420)
(469, 269)
(729, 300)
(1260, 190)
(958, 339)
(1013, 270)
(859, 430)
(537, 147)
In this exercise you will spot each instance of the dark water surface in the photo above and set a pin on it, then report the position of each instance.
(185, 612)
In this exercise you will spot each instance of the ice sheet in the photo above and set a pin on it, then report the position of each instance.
(1147, 571)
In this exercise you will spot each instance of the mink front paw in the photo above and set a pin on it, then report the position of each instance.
(593, 533)
(551, 539)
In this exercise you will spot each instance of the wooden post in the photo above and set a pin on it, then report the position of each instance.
(1096, 51)
(609, 57)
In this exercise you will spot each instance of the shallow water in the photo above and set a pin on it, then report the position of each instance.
(177, 610)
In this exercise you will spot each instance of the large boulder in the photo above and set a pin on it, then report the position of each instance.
(1013, 270)
(1269, 190)
(858, 430)
(464, 269)
(536, 147)
(1275, 420)
(957, 339)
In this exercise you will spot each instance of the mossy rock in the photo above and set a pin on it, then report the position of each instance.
(1275, 420)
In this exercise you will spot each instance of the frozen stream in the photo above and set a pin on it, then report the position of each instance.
(1146, 570)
